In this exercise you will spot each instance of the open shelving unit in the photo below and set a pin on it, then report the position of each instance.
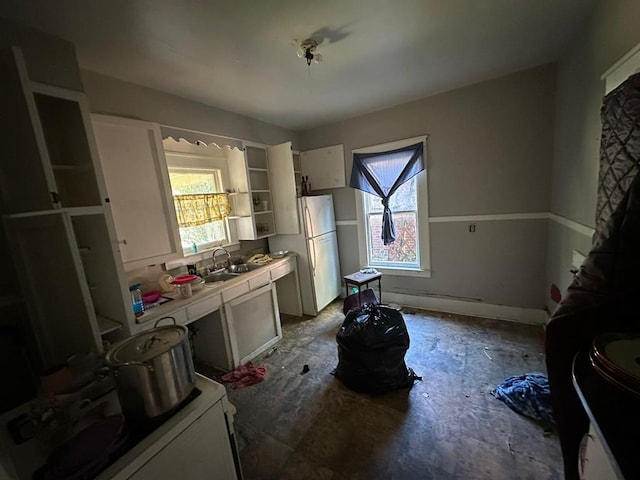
(251, 193)
(59, 229)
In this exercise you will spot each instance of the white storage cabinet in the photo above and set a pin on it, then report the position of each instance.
(137, 180)
(57, 217)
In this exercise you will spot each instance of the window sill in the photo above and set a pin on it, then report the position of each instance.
(403, 272)
(199, 256)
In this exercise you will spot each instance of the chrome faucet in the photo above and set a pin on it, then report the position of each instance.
(213, 257)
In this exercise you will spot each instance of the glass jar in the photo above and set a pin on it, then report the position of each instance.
(136, 300)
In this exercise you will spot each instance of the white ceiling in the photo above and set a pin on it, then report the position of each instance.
(238, 54)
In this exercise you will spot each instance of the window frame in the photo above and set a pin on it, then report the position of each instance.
(217, 174)
(422, 215)
(203, 162)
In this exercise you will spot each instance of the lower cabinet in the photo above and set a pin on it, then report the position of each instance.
(253, 323)
(202, 451)
(72, 283)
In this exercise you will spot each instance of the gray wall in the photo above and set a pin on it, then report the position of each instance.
(49, 59)
(115, 97)
(611, 31)
(489, 151)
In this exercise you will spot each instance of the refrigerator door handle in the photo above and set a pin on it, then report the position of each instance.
(307, 214)
(313, 264)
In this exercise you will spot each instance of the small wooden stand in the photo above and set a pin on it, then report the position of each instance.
(358, 279)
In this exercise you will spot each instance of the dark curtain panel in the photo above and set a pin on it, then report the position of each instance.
(382, 173)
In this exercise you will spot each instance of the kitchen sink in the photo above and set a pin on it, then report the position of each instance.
(231, 272)
(220, 277)
(243, 268)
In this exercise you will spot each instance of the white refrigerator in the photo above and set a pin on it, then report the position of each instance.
(317, 249)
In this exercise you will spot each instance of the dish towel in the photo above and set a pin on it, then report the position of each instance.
(527, 395)
(245, 375)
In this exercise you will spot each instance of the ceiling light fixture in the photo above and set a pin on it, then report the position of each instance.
(307, 49)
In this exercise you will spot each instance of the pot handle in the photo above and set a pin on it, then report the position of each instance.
(164, 318)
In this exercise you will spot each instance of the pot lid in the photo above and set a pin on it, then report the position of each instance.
(179, 280)
(146, 345)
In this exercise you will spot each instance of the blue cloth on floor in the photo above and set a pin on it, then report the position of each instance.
(528, 395)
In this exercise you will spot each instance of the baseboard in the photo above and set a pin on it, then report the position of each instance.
(477, 309)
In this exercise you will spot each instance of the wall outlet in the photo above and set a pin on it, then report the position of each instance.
(472, 227)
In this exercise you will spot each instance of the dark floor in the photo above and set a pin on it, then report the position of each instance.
(309, 426)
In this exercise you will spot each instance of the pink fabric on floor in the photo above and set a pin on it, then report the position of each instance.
(245, 375)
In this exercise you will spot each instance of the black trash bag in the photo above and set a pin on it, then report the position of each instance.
(359, 299)
(372, 342)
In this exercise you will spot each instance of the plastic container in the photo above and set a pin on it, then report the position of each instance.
(184, 284)
(136, 300)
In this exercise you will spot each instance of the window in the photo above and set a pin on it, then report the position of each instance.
(410, 251)
(405, 251)
(199, 181)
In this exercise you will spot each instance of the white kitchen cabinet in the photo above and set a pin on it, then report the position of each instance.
(48, 157)
(283, 182)
(60, 304)
(137, 180)
(59, 228)
(201, 452)
(324, 167)
(253, 323)
(261, 223)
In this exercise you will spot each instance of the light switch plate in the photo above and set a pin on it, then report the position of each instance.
(576, 259)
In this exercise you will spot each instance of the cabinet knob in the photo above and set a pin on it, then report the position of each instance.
(123, 242)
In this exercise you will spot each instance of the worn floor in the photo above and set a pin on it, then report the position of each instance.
(448, 426)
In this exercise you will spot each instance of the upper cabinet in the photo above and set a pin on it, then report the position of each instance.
(258, 200)
(47, 148)
(137, 180)
(283, 180)
(324, 167)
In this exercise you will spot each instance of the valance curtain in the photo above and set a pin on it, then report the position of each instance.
(198, 209)
(382, 173)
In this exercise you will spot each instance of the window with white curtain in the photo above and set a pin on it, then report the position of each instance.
(409, 253)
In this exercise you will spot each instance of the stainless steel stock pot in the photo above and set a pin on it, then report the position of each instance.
(153, 369)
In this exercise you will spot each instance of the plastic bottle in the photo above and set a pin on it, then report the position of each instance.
(303, 186)
(136, 300)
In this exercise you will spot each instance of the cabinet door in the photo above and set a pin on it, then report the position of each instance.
(139, 190)
(52, 279)
(201, 452)
(253, 322)
(324, 167)
(283, 189)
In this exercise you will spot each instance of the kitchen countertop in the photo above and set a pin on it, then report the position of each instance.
(208, 290)
(27, 457)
